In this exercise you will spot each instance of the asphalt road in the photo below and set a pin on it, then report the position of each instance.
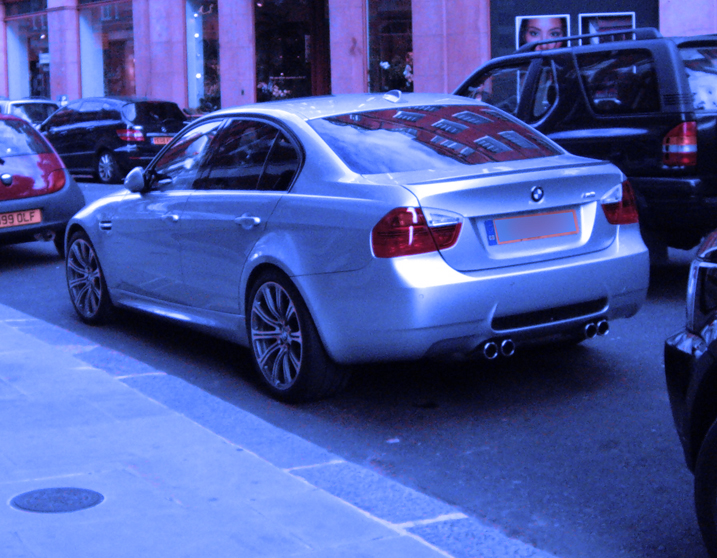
(571, 449)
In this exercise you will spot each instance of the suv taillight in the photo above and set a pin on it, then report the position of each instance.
(619, 205)
(404, 231)
(131, 134)
(679, 146)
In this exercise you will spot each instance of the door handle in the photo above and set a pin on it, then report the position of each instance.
(248, 221)
(170, 217)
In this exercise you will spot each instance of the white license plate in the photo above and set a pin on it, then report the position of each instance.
(20, 218)
(531, 227)
(161, 140)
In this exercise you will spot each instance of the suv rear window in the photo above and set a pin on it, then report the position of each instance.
(620, 81)
(18, 137)
(701, 65)
(429, 137)
(151, 111)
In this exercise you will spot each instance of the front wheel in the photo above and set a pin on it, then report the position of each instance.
(285, 346)
(706, 490)
(86, 282)
(108, 171)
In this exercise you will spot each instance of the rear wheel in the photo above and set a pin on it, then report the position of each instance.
(706, 490)
(286, 348)
(107, 168)
(86, 282)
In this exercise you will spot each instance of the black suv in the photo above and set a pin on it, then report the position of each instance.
(691, 372)
(108, 136)
(642, 101)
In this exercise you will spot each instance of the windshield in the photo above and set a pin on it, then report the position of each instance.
(428, 137)
(701, 65)
(17, 137)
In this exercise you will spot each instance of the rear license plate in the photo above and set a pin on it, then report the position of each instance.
(161, 140)
(20, 218)
(531, 227)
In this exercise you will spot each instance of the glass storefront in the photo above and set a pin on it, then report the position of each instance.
(292, 48)
(107, 48)
(390, 45)
(203, 55)
(28, 47)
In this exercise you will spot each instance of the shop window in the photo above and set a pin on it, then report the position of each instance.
(203, 55)
(292, 49)
(390, 38)
(107, 49)
(28, 47)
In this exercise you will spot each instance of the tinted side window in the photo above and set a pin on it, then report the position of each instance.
(501, 87)
(546, 92)
(62, 117)
(620, 81)
(179, 165)
(238, 156)
(281, 165)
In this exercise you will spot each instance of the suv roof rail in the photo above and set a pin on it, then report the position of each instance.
(638, 34)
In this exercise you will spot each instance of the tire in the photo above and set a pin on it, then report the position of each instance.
(86, 282)
(107, 171)
(285, 346)
(706, 490)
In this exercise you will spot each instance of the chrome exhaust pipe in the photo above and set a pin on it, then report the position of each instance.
(507, 348)
(590, 330)
(490, 350)
(603, 327)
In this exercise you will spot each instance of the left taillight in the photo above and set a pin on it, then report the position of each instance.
(619, 205)
(133, 133)
(405, 231)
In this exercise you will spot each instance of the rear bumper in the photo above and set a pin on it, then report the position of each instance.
(57, 209)
(418, 306)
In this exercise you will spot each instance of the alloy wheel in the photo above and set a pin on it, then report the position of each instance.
(276, 335)
(84, 278)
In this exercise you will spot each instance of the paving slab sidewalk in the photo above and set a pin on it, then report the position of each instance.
(183, 473)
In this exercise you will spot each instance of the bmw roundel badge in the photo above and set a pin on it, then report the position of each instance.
(537, 193)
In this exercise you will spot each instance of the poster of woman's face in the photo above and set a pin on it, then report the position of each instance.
(542, 27)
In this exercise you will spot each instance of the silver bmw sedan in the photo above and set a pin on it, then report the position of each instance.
(322, 232)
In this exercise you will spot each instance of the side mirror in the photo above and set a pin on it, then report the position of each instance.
(134, 181)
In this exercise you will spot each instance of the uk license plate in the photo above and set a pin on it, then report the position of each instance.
(20, 218)
(531, 227)
(161, 140)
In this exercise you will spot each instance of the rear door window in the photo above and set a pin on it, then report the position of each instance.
(620, 81)
(701, 66)
(501, 87)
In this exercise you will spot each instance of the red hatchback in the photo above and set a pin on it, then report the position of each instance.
(37, 194)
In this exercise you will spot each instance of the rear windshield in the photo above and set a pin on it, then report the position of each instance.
(18, 137)
(428, 137)
(701, 66)
(153, 112)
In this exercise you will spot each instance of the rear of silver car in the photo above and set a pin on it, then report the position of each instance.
(534, 250)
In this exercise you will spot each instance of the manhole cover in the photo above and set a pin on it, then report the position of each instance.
(57, 500)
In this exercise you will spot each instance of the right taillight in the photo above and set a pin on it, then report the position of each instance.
(133, 133)
(679, 146)
(405, 231)
(619, 205)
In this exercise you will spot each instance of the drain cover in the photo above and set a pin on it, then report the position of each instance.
(57, 500)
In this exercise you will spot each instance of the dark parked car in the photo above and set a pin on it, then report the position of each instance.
(691, 371)
(108, 136)
(37, 194)
(642, 101)
(33, 110)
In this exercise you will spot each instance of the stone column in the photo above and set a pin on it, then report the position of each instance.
(237, 52)
(349, 51)
(64, 43)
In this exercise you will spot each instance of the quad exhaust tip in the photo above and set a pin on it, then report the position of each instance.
(494, 349)
(591, 329)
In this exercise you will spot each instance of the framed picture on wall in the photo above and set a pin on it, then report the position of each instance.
(533, 28)
(600, 23)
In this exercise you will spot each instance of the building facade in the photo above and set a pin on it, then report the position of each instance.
(205, 54)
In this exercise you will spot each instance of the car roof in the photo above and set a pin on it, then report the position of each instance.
(308, 108)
